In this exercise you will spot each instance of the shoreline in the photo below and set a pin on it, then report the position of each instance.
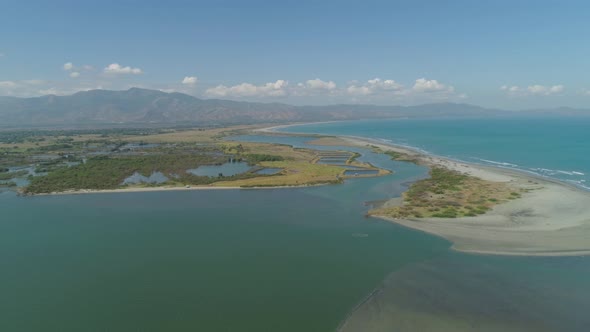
(551, 219)
(156, 189)
(418, 152)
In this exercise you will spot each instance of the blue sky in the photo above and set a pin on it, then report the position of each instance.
(509, 54)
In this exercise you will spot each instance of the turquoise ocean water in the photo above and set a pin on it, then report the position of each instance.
(548, 146)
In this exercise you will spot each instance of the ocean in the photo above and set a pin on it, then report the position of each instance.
(556, 147)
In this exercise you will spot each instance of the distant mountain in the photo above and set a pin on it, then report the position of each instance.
(141, 107)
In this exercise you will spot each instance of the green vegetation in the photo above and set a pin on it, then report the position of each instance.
(36, 136)
(9, 184)
(109, 172)
(12, 175)
(449, 194)
(394, 155)
(102, 159)
(257, 158)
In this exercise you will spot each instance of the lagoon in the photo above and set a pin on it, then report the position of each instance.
(253, 260)
(227, 169)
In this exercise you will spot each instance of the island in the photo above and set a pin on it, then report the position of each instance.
(74, 162)
(480, 209)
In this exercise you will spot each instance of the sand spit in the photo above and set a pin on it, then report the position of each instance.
(551, 219)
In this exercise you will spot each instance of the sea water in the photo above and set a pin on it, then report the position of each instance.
(557, 147)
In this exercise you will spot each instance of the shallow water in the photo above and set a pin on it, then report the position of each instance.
(557, 147)
(227, 169)
(361, 172)
(265, 260)
(136, 178)
(460, 292)
(231, 260)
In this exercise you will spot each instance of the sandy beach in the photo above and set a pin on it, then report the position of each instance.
(151, 189)
(551, 219)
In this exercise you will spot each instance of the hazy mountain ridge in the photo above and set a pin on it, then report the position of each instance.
(142, 106)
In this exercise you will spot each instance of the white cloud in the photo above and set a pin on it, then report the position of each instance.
(533, 90)
(7, 84)
(545, 90)
(276, 89)
(428, 86)
(50, 91)
(76, 71)
(116, 69)
(510, 89)
(359, 90)
(190, 80)
(374, 86)
(318, 84)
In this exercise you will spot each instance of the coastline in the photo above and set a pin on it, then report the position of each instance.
(155, 189)
(551, 219)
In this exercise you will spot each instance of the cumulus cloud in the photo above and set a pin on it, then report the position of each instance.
(422, 90)
(76, 71)
(545, 90)
(374, 86)
(533, 90)
(318, 84)
(190, 80)
(117, 69)
(428, 86)
(21, 88)
(7, 84)
(273, 89)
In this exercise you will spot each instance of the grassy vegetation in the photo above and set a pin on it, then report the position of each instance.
(12, 175)
(109, 172)
(295, 173)
(401, 156)
(109, 161)
(449, 194)
(256, 158)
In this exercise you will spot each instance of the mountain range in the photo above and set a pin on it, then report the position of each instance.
(137, 106)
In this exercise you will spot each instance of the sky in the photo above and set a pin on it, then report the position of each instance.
(502, 54)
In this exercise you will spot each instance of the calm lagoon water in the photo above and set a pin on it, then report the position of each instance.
(227, 169)
(231, 260)
(264, 260)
